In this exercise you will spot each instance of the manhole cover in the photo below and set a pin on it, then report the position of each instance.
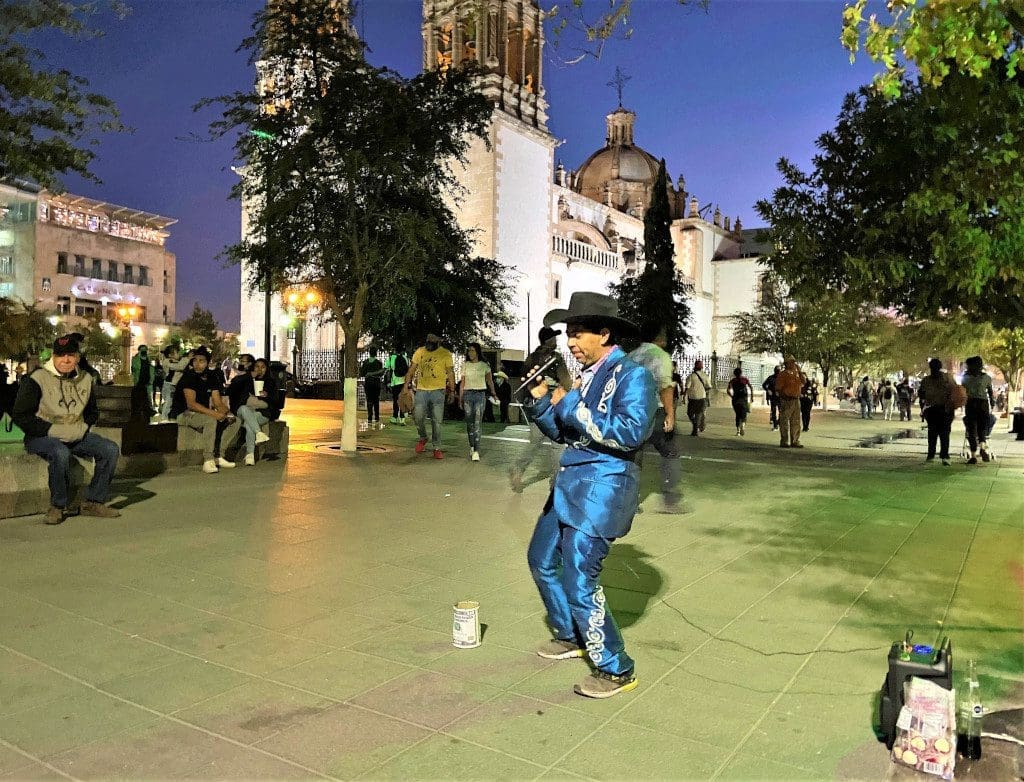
(334, 449)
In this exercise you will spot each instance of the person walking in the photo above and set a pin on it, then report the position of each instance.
(808, 399)
(434, 370)
(476, 382)
(696, 389)
(742, 394)
(504, 394)
(864, 395)
(904, 398)
(397, 366)
(978, 409)
(788, 386)
(372, 371)
(56, 409)
(887, 395)
(771, 398)
(604, 420)
(937, 406)
(557, 373)
(651, 355)
(142, 379)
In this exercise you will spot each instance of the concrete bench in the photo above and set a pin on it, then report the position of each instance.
(24, 486)
(190, 444)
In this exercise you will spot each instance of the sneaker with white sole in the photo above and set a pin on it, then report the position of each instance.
(262, 438)
(210, 466)
(604, 685)
(475, 456)
(557, 649)
(250, 460)
(222, 462)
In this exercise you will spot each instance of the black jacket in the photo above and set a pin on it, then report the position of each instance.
(241, 387)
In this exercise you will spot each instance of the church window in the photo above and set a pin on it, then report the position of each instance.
(444, 47)
(514, 52)
(556, 288)
(469, 40)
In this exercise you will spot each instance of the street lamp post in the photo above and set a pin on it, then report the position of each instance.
(526, 286)
(300, 301)
(125, 316)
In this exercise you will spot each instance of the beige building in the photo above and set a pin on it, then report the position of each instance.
(80, 258)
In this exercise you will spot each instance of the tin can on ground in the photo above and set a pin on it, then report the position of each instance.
(466, 624)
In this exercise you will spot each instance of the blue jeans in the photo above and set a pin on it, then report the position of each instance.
(252, 420)
(166, 398)
(865, 408)
(434, 400)
(565, 564)
(474, 402)
(58, 456)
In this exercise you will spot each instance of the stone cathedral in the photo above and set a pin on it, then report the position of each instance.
(559, 230)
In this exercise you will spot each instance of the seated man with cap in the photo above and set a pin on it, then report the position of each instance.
(604, 421)
(56, 408)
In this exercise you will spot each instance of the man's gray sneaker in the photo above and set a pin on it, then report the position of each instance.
(604, 685)
(559, 650)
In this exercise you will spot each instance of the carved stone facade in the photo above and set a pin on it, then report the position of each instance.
(504, 38)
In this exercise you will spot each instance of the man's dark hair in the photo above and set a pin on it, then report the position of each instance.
(650, 331)
(596, 325)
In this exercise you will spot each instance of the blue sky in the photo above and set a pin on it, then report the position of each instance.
(721, 96)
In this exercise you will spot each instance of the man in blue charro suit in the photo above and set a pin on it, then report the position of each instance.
(603, 420)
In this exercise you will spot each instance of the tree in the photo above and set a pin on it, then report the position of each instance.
(46, 114)
(349, 179)
(201, 328)
(26, 330)
(658, 296)
(828, 330)
(938, 37)
(1005, 350)
(907, 345)
(97, 342)
(913, 202)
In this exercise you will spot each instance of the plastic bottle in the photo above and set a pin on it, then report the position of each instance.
(968, 739)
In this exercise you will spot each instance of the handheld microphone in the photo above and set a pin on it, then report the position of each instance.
(532, 377)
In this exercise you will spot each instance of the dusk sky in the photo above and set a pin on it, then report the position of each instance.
(721, 96)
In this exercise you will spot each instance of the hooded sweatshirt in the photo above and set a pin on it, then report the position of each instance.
(53, 405)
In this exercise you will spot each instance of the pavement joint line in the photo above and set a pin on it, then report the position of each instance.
(286, 685)
(164, 715)
(963, 563)
(33, 758)
(700, 646)
(824, 638)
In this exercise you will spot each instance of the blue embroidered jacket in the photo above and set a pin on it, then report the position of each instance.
(603, 425)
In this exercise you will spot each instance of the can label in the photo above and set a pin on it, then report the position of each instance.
(466, 624)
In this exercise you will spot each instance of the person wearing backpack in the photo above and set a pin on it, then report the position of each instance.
(888, 396)
(697, 387)
(938, 407)
(741, 393)
(904, 398)
(864, 394)
(396, 367)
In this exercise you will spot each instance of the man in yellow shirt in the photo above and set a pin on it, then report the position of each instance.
(436, 381)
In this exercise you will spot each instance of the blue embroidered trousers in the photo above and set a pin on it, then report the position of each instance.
(566, 564)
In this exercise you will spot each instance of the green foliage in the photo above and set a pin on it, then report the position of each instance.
(913, 202)
(348, 183)
(938, 36)
(828, 330)
(97, 344)
(201, 328)
(46, 114)
(1005, 350)
(26, 330)
(906, 345)
(657, 298)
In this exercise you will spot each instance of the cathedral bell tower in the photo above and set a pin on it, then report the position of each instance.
(505, 38)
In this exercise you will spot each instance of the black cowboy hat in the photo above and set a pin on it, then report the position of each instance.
(589, 307)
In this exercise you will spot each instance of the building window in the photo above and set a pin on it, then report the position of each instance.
(47, 284)
(80, 265)
(556, 288)
(129, 274)
(6, 288)
(97, 269)
(63, 305)
(112, 271)
(62, 263)
(165, 313)
(7, 265)
(144, 276)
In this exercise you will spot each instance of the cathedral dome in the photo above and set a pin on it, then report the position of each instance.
(620, 166)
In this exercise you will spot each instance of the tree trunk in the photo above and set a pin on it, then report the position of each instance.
(352, 329)
(824, 387)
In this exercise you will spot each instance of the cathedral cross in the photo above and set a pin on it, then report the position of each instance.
(619, 82)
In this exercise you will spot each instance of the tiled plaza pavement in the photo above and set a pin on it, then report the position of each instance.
(293, 620)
